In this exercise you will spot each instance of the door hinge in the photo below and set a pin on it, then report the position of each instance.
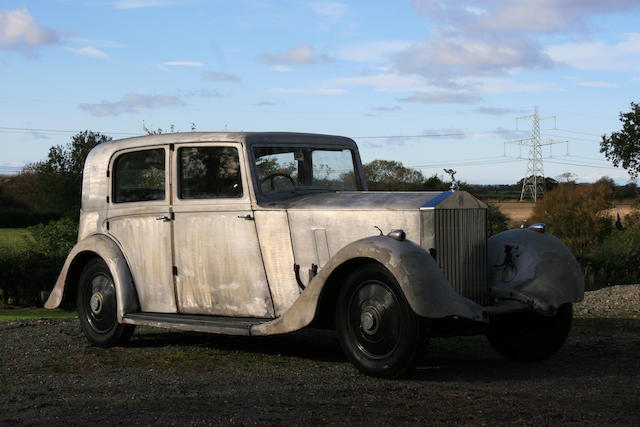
(174, 270)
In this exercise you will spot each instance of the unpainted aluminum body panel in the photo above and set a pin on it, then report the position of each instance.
(105, 248)
(219, 262)
(318, 235)
(277, 253)
(421, 280)
(541, 271)
(146, 243)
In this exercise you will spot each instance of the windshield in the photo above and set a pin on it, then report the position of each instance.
(283, 169)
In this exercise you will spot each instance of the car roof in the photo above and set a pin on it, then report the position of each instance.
(107, 149)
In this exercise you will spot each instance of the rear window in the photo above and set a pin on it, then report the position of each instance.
(139, 176)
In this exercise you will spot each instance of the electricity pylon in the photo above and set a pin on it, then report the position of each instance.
(533, 184)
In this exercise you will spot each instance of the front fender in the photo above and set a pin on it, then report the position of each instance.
(105, 248)
(425, 288)
(540, 269)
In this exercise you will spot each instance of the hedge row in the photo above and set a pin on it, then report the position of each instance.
(28, 272)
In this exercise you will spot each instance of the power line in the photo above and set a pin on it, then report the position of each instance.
(29, 130)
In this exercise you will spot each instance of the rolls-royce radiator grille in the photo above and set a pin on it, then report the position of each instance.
(461, 250)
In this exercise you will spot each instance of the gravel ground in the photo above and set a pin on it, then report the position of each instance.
(50, 375)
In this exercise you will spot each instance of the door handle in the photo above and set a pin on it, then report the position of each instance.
(248, 217)
(163, 218)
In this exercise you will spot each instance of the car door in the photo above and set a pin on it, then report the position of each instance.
(138, 219)
(219, 267)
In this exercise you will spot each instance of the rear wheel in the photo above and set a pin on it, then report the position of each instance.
(530, 337)
(377, 329)
(97, 306)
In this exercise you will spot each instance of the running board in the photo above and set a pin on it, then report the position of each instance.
(198, 323)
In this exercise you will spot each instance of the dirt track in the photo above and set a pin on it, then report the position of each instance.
(50, 375)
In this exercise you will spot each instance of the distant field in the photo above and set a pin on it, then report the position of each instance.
(7, 315)
(518, 211)
(13, 238)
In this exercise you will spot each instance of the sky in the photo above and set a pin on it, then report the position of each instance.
(432, 84)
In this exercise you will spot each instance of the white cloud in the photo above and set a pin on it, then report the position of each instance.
(300, 55)
(332, 10)
(386, 82)
(88, 51)
(385, 109)
(280, 68)
(317, 91)
(505, 85)
(139, 4)
(497, 37)
(373, 51)
(19, 31)
(131, 103)
(183, 64)
(219, 76)
(445, 57)
(623, 55)
(443, 98)
(202, 93)
(99, 43)
(518, 16)
(603, 85)
(496, 111)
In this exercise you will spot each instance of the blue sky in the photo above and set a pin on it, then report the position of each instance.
(430, 83)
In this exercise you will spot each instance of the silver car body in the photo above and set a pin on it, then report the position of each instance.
(272, 262)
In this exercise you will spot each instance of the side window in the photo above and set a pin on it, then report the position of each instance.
(209, 173)
(139, 176)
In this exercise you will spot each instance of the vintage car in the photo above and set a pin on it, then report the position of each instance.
(269, 233)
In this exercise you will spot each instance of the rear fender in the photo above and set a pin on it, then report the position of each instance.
(423, 284)
(101, 246)
(535, 268)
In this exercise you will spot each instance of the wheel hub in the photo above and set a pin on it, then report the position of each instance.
(96, 303)
(369, 320)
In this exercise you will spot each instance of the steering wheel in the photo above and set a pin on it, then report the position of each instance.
(271, 178)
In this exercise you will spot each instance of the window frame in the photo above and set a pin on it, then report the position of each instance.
(283, 195)
(222, 202)
(113, 175)
(178, 176)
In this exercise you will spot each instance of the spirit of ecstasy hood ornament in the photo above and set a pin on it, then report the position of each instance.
(454, 183)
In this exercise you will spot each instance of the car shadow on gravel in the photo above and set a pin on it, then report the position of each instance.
(593, 343)
(311, 344)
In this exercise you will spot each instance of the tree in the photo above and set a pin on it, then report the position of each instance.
(56, 183)
(576, 214)
(623, 147)
(389, 175)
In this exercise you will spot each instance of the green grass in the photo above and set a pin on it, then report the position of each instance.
(14, 239)
(7, 315)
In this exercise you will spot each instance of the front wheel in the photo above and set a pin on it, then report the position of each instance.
(377, 329)
(97, 306)
(530, 337)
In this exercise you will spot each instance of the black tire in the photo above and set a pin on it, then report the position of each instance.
(530, 337)
(97, 306)
(377, 329)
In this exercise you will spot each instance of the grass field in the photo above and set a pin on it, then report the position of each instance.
(13, 238)
(7, 315)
